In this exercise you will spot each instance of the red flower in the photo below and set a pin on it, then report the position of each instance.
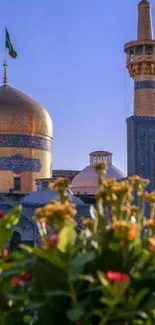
(16, 280)
(117, 276)
(26, 277)
(4, 253)
(52, 242)
(1, 215)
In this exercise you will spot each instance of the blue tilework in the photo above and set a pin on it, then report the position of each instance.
(145, 84)
(18, 164)
(25, 141)
(141, 147)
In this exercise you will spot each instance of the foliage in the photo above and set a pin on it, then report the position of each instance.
(105, 275)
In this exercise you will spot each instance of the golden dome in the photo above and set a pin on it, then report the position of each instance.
(20, 114)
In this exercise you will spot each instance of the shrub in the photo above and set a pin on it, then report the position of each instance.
(105, 275)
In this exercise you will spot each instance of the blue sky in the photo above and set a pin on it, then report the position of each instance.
(70, 58)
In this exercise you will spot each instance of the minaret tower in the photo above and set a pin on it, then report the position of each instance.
(141, 126)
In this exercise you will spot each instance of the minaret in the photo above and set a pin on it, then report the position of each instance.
(140, 55)
(141, 63)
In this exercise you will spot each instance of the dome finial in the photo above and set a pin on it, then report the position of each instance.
(5, 79)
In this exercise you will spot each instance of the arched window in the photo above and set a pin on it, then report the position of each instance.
(15, 241)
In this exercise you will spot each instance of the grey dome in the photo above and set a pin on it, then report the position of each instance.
(87, 180)
(38, 199)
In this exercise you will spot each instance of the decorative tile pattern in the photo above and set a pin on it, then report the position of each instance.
(142, 142)
(152, 169)
(130, 146)
(25, 141)
(18, 164)
(141, 145)
(145, 84)
(153, 146)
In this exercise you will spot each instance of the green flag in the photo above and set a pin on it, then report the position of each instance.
(9, 46)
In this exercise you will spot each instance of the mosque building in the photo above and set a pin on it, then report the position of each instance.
(140, 62)
(26, 135)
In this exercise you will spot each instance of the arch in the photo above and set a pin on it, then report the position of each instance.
(15, 241)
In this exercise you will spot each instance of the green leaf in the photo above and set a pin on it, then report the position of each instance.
(67, 237)
(75, 313)
(135, 300)
(15, 297)
(35, 305)
(114, 246)
(54, 256)
(28, 319)
(6, 225)
(94, 289)
(57, 293)
(16, 268)
(13, 217)
(83, 259)
(27, 248)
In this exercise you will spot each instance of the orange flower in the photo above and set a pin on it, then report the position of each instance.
(126, 229)
(139, 184)
(133, 232)
(55, 210)
(100, 168)
(60, 185)
(150, 224)
(149, 197)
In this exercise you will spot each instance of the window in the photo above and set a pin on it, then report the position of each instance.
(139, 49)
(131, 50)
(17, 184)
(45, 185)
(148, 49)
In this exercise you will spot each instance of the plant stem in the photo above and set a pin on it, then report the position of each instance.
(106, 318)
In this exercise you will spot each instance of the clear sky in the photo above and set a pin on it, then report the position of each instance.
(70, 58)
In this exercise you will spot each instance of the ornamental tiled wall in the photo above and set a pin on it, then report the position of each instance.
(27, 178)
(31, 159)
(141, 147)
(144, 96)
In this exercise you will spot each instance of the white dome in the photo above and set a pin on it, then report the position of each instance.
(39, 199)
(86, 182)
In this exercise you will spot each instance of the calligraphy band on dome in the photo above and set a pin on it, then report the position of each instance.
(19, 164)
(25, 141)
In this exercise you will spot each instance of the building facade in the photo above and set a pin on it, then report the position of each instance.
(26, 134)
(42, 184)
(140, 62)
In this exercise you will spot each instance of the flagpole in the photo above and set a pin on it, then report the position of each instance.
(5, 80)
